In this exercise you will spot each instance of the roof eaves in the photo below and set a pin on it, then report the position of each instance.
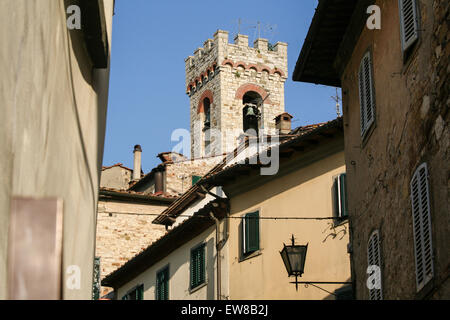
(316, 61)
(123, 194)
(252, 162)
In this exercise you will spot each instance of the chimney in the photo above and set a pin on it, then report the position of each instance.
(283, 123)
(137, 162)
(159, 181)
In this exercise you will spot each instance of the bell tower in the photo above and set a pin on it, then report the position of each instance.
(234, 89)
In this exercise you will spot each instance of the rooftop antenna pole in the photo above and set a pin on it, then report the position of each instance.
(337, 99)
(239, 26)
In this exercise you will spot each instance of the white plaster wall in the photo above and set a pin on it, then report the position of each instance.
(179, 272)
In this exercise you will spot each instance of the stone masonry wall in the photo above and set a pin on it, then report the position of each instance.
(123, 230)
(411, 127)
(179, 174)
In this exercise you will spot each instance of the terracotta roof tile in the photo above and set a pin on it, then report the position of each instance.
(157, 194)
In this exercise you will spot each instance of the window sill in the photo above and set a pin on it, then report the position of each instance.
(410, 55)
(365, 138)
(250, 255)
(340, 221)
(427, 291)
(197, 288)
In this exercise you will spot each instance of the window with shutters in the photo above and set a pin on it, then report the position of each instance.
(421, 214)
(137, 293)
(366, 94)
(198, 266)
(374, 259)
(409, 24)
(339, 190)
(250, 233)
(162, 284)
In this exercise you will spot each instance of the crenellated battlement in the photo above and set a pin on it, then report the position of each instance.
(221, 77)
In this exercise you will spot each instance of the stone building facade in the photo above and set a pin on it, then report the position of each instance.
(220, 76)
(124, 226)
(127, 208)
(175, 174)
(409, 131)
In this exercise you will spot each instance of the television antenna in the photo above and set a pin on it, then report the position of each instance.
(259, 29)
(337, 99)
(264, 29)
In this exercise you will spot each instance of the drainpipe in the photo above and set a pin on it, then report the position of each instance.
(218, 255)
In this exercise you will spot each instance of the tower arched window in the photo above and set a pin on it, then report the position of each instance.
(251, 113)
(207, 110)
(207, 125)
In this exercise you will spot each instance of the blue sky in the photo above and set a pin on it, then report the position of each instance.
(151, 39)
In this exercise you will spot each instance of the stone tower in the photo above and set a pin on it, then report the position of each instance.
(228, 82)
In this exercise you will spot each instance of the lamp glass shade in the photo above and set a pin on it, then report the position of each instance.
(294, 259)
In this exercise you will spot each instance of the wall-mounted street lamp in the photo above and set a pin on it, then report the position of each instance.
(294, 257)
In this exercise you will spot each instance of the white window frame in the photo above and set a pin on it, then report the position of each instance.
(366, 88)
(374, 258)
(421, 216)
(408, 8)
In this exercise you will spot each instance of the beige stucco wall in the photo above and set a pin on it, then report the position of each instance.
(116, 178)
(179, 272)
(305, 192)
(53, 106)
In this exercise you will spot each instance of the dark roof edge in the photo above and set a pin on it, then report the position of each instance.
(336, 123)
(109, 194)
(343, 53)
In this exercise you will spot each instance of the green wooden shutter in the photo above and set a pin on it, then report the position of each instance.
(140, 292)
(162, 285)
(158, 286)
(343, 194)
(195, 179)
(251, 232)
(202, 264)
(193, 269)
(335, 195)
(198, 266)
(166, 284)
